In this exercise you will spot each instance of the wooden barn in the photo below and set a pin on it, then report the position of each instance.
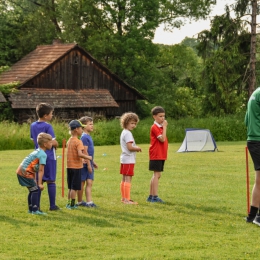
(70, 79)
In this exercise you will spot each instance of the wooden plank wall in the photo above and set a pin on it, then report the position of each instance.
(76, 71)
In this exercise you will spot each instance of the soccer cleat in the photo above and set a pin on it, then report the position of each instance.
(68, 206)
(257, 220)
(157, 199)
(81, 204)
(55, 208)
(38, 212)
(249, 219)
(91, 205)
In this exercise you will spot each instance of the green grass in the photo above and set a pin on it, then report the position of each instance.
(202, 219)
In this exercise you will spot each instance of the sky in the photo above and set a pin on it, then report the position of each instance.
(190, 29)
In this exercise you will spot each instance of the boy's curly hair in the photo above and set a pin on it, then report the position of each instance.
(127, 117)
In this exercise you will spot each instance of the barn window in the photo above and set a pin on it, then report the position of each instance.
(76, 59)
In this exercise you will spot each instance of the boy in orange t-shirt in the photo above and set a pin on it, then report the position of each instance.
(75, 154)
(157, 151)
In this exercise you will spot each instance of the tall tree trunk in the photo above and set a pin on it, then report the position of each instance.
(252, 77)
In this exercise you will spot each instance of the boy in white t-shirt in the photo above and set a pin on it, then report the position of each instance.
(128, 122)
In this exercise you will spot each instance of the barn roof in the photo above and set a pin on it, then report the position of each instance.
(2, 98)
(30, 98)
(35, 62)
(43, 57)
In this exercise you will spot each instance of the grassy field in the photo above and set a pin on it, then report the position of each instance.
(205, 196)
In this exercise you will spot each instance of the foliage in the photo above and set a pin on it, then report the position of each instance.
(176, 83)
(118, 33)
(228, 128)
(225, 49)
(24, 25)
(202, 217)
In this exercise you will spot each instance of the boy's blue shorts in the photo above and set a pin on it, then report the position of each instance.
(50, 170)
(85, 175)
(26, 182)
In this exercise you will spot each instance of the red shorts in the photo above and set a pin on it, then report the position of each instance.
(127, 169)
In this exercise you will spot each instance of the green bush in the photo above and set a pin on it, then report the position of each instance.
(14, 136)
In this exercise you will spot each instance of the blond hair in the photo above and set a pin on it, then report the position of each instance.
(127, 117)
(85, 119)
(43, 138)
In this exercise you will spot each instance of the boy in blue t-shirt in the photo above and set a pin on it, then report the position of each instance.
(27, 170)
(87, 173)
(45, 112)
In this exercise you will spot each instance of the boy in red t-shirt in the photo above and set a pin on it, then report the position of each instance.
(157, 151)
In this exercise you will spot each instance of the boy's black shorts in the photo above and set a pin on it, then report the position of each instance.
(156, 165)
(74, 179)
(254, 150)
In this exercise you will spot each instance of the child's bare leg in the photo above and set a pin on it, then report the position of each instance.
(80, 192)
(155, 183)
(88, 190)
(73, 194)
(128, 178)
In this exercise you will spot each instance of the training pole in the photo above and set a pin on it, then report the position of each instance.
(62, 167)
(247, 182)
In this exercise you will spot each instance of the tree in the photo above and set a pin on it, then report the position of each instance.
(225, 50)
(118, 33)
(23, 26)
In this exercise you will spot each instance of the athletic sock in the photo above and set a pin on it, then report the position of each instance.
(34, 200)
(39, 197)
(155, 197)
(253, 212)
(127, 189)
(122, 190)
(72, 203)
(150, 197)
(29, 202)
(52, 194)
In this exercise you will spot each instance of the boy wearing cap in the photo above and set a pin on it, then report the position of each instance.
(75, 154)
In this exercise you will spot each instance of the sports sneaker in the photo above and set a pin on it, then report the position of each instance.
(149, 199)
(257, 220)
(29, 211)
(130, 202)
(81, 204)
(68, 206)
(249, 219)
(91, 205)
(55, 208)
(157, 199)
(38, 212)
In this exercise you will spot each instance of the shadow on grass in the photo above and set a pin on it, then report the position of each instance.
(99, 217)
(13, 221)
(187, 207)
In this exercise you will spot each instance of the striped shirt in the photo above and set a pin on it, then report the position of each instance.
(73, 160)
